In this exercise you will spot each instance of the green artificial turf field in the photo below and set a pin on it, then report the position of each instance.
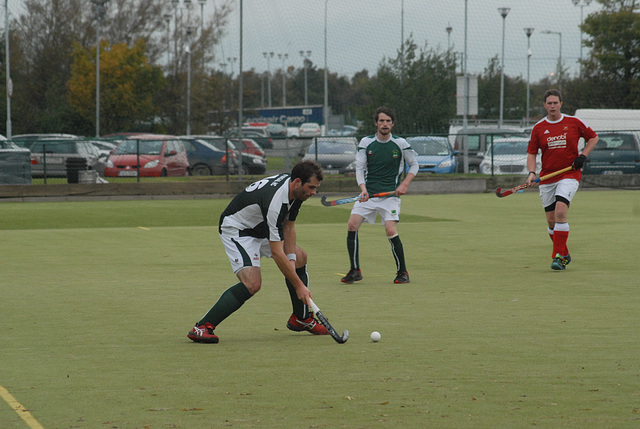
(97, 299)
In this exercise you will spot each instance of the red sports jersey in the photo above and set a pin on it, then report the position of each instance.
(558, 142)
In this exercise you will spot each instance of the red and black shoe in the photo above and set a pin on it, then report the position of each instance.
(402, 277)
(354, 275)
(203, 334)
(310, 324)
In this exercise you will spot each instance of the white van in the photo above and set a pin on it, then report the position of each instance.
(610, 119)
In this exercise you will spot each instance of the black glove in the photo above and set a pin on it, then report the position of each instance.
(579, 162)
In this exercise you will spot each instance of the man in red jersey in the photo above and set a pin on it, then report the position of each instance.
(556, 136)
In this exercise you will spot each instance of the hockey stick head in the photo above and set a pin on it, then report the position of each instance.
(326, 203)
(343, 339)
(340, 339)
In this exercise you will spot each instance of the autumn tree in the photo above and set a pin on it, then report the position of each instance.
(128, 84)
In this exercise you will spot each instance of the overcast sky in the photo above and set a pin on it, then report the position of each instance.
(361, 32)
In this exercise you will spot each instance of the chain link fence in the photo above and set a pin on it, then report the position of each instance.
(485, 151)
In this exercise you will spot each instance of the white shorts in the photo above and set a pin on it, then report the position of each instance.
(565, 188)
(387, 207)
(245, 251)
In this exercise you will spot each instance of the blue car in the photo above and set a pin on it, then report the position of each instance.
(204, 158)
(434, 154)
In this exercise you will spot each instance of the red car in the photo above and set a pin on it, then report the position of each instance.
(249, 146)
(152, 155)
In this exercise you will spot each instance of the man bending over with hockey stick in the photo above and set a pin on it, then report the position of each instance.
(259, 222)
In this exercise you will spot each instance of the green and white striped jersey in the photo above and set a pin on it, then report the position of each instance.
(260, 210)
(380, 164)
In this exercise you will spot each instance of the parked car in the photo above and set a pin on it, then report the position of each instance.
(277, 131)
(26, 140)
(52, 157)
(251, 163)
(254, 160)
(15, 163)
(347, 130)
(434, 154)
(159, 155)
(223, 144)
(309, 129)
(478, 140)
(335, 155)
(293, 131)
(105, 147)
(204, 158)
(259, 134)
(507, 156)
(249, 146)
(615, 153)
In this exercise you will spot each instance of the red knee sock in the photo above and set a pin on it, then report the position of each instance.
(560, 236)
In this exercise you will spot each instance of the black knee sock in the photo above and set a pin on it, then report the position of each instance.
(353, 246)
(231, 300)
(299, 309)
(398, 252)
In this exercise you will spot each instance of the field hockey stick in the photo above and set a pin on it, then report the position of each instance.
(340, 339)
(324, 201)
(525, 185)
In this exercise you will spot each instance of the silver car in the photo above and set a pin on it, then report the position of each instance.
(335, 155)
(55, 157)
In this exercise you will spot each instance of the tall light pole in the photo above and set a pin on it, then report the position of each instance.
(325, 110)
(402, 53)
(528, 31)
(232, 61)
(582, 4)
(305, 56)
(465, 114)
(100, 9)
(284, 83)
(240, 74)
(449, 30)
(167, 19)
(202, 2)
(9, 82)
(559, 72)
(189, 31)
(268, 56)
(504, 11)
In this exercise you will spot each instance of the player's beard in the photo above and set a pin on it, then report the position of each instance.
(384, 132)
(300, 194)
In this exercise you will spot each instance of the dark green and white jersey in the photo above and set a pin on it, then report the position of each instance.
(380, 164)
(260, 210)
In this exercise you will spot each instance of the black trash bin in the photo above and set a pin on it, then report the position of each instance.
(74, 165)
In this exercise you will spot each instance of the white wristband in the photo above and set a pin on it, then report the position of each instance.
(292, 257)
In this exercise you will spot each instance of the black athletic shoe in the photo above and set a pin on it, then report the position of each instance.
(402, 277)
(352, 276)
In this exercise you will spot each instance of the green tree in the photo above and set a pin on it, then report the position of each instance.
(515, 93)
(613, 67)
(128, 84)
(419, 84)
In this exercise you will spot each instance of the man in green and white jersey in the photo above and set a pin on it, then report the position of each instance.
(379, 166)
(259, 222)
